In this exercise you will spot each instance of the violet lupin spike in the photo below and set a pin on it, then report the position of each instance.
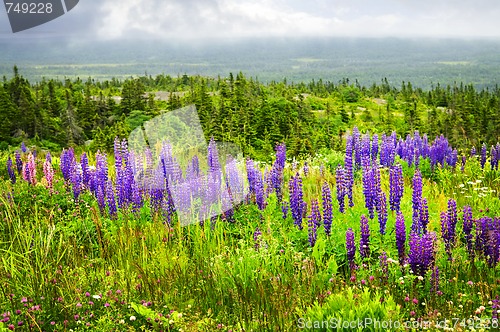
(341, 187)
(110, 195)
(484, 150)
(468, 225)
(421, 254)
(350, 244)
(349, 171)
(401, 238)
(364, 242)
(10, 170)
(396, 187)
(384, 266)
(416, 201)
(314, 221)
(296, 200)
(424, 214)
(369, 190)
(382, 212)
(19, 162)
(327, 207)
(257, 238)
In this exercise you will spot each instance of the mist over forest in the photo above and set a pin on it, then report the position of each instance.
(422, 61)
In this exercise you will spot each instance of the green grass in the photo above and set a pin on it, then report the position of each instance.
(62, 262)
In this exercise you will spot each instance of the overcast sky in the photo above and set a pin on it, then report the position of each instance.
(188, 19)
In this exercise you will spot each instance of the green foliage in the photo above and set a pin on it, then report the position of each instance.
(351, 305)
(256, 116)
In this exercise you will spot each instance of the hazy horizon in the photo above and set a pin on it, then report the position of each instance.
(193, 20)
(422, 42)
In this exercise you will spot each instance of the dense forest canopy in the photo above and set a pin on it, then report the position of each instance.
(308, 117)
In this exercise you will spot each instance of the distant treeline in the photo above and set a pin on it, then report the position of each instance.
(306, 116)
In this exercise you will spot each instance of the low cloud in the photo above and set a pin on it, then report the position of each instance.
(194, 19)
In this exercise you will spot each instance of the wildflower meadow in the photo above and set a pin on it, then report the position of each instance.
(394, 233)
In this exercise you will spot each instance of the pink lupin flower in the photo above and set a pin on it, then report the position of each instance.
(48, 171)
(29, 170)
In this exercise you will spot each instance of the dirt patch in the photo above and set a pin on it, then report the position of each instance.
(379, 101)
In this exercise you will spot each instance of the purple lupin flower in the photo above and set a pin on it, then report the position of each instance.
(384, 267)
(349, 171)
(280, 156)
(463, 163)
(67, 162)
(497, 158)
(382, 211)
(356, 143)
(493, 157)
(306, 168)
(350, 244)
(388, 150)
(110, 195)
(101, 180)
(269, 188)
(168, 207)
(448, 226)
(365, 150)
(374, 149)
(156, 195)
(364, 242)
(484, 150)
(341, 186)
(76, 180)
(213, 156)
(488, 239)
(101, 199)
(118, 171)
(468, 225)
(369, 189)
(424, 214)
(256, 183)
(396, 187)
(401, 238)
(19, 162)
(376, 184)
(416, 227)
(445, 235)
(125, 191)
(137, 199)
(473, 151)
(29, 170)
(234, 182)
(314, 221)
(276, 175)
(10, 170)
(296, 200)
(435, 279)
(327, 207)
(257, 238)
(23, 147)
(421, 253)
(452, 223)
(284, 209)
(495, 309)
